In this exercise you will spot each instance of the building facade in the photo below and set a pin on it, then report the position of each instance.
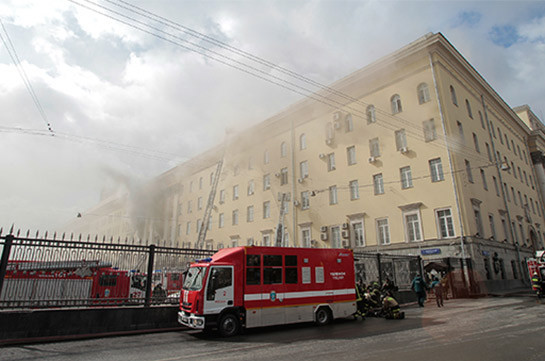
(413, 154)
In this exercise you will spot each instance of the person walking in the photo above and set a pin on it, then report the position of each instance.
(419, 287)
(437, 287)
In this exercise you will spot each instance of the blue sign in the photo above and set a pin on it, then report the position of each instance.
(429, 251)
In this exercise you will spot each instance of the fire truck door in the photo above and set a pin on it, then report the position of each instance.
(219, 289)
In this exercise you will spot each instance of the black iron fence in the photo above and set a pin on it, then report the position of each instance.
(376, 267)
(41, 271)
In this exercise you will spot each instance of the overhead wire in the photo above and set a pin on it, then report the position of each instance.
(249, 69)
(22, 73)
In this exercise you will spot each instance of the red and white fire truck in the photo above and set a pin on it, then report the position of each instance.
(537, 265)
(246, 287)
(47, 283)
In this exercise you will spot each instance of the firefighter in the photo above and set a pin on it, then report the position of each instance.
(391, 309)
(536, 285)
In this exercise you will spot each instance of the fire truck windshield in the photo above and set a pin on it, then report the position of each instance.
(193, 280)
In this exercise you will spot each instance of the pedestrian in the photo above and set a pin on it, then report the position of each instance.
(438, 291)
(444, 283)
(419, 287)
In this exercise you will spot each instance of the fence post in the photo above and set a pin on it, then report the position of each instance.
(149, 281)
(379, 267)
(5, 259)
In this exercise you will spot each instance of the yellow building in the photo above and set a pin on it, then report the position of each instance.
(413, 154)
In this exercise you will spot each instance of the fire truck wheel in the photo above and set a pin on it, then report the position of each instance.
(229, 325)
(323, 316)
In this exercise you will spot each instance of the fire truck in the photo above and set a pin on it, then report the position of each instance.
(537, 265)
(170, 280)
(43, 283)
(245, 287)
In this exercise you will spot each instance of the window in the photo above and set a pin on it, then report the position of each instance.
(378, 184)
(401, 139)
(359, 235)
(423, 93)
(222, 196)
(191, 186)
(436, 170)
(481, 119)
(406, 177)
(354, 190)
(251, 187)
(235, 217)
(525, 177)
(348, 123)
(520, 154)
(514, 195)
(468, 171)
(199, 225)
(335, 237)
(504, 227)
(305, 200)
(468, 107)
(460, 131)
(333, 195)
(302, 142)
(266, 240)
(371, 116)
(199, 203)
(303, 168)
(430, 133)
(476, 143)
(520, 198)
(506, 190)
(331, 162)
(513, 146)
(492, 129)
(483, 177)
(267, 209)
(492, 226)
(250, 163)
(283, 176)
(221, 220)
(188, 228)
(506, 139)
(488, 152)
(383, 231)
(272, 269)
(283, 149)
(253, 269)
(291, 269)
(189, 207)
(478, 220)
(305, 236)
(374, 147)
(395, 102)
(351, 155)
(266, 158)
(266, 182)
(412, 226)
(445, 223)
(250, 214)
(453, 96)
(235, 192)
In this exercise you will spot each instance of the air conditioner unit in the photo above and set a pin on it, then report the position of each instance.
(313, 243)
(328, 141)
(322, 155)
(300, 180)
(323, 229)
(345, 225)
(345, 244)
(404, 150)
(345, 234)
(323, 236)
(337, 116)
(372, 159)
(296, 203)
(277, 175)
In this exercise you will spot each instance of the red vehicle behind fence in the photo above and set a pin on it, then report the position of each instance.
(262, 286)
(38, 283)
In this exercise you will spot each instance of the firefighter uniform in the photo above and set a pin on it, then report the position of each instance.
(391, 309)
(536, 284)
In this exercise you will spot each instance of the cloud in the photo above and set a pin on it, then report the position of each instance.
(505, 35)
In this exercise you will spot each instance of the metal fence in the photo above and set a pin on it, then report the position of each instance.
(37, 271)
(376, 267)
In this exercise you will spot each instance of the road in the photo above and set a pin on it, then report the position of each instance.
(479, 329)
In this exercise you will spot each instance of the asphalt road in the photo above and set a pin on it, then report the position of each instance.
(482, 329)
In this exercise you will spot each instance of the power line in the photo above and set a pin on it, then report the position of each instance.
(20, 69)
(252, 70)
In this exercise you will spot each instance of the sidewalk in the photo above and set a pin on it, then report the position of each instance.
(514, 292)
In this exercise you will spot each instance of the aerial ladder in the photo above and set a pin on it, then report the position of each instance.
(282, 198)
(209, 206)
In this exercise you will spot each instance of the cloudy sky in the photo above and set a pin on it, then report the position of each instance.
(123, 103)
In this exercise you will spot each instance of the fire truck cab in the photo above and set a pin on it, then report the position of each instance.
(245, 287)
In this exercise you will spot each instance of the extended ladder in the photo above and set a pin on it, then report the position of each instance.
(209, 206)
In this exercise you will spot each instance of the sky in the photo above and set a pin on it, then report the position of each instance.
(125, 105)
